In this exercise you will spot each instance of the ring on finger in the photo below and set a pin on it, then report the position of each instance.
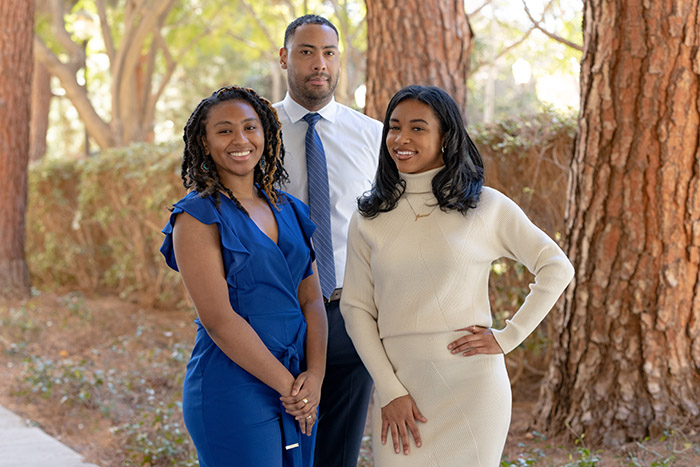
(305, 401)
(309, 417)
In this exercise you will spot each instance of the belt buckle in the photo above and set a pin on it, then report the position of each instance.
(335, 295)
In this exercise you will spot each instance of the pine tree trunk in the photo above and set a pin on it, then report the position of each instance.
(16, 61)
(627, 358)
(416, 42)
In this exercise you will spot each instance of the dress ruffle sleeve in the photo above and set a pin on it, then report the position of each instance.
(205, 211)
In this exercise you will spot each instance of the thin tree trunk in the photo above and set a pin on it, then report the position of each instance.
(98, 129)
(41, 104)
(416, 42)
(625, 363)
(16, 62)
(277, 82)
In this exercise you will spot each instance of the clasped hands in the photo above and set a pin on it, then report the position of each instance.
(303, 399)
(399, 416)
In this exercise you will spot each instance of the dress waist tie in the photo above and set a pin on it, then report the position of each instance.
(289, 357)
(291, 432)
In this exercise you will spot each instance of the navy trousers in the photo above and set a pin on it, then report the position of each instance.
(344, 398)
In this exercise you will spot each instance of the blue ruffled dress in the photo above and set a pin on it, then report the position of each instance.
(232, 417)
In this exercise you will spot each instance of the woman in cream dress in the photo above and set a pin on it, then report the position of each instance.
(415, 297)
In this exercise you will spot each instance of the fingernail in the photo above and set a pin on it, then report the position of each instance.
(450, 346)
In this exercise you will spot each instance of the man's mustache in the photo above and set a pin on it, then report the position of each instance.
(319, 75)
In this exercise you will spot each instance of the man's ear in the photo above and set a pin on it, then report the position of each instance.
(283, 58)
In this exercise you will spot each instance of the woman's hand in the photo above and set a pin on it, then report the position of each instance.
(481, 341)
(400, 417)
(303, 400)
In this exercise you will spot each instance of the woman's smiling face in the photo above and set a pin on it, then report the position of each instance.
(234, 138)
(414, 139)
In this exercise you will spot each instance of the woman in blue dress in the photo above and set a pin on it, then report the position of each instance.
(243, 250)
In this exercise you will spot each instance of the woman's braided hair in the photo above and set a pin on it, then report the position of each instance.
(198, 168)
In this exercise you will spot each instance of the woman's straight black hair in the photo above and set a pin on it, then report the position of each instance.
(457, 186)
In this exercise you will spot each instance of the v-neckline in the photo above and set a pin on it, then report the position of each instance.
(274, 216)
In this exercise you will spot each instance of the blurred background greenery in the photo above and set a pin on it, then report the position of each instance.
(521, 61)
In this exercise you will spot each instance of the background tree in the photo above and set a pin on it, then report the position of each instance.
(142, 62)
(416, 42)
(626, 359)
(41, 102)
(131, 70)
(41, 92)
(16, 31)
(526, 57)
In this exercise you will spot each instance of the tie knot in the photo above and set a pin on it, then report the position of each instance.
(312, 118)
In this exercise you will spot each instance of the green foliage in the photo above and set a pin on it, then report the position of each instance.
(585, 456)
(671, 449)
(157, 437)
(528, 158)
(528, 457)
(205, 44)
(503, 34)
(95, 223)
(70, 382)
(523, 460)
(75, 303)
(129, 379)
(20, 319)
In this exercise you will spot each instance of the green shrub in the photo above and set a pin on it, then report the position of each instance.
(94, 224)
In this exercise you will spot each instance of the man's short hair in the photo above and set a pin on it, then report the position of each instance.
(307, 19)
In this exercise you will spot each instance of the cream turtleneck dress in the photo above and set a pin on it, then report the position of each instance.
(410, 283)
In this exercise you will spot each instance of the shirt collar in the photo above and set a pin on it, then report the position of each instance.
(296, 111)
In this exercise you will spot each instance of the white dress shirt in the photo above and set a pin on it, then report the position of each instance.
(351, 141)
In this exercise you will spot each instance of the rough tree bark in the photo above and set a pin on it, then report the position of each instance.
(416, 42)
(16, 61)
(626, 362)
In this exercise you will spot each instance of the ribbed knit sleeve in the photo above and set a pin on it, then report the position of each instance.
(360, 313)
(519, 239)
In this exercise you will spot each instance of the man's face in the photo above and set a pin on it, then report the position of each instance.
(312, 62)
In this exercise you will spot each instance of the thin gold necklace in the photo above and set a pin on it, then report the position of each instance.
(418, 216)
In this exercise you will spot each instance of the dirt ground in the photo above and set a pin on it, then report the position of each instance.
(103, 375)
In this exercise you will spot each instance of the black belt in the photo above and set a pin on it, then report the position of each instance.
(335, 296)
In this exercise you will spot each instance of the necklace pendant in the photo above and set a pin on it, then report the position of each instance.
(418, 216)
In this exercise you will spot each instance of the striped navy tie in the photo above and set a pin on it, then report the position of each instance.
(320, 204)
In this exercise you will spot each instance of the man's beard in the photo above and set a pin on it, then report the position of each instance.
(310, 95)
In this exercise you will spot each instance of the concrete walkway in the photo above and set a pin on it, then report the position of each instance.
(24, 446)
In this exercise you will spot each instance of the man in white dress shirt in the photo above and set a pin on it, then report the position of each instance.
(351, 143)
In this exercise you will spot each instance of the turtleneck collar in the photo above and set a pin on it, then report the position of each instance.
(421, 182)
